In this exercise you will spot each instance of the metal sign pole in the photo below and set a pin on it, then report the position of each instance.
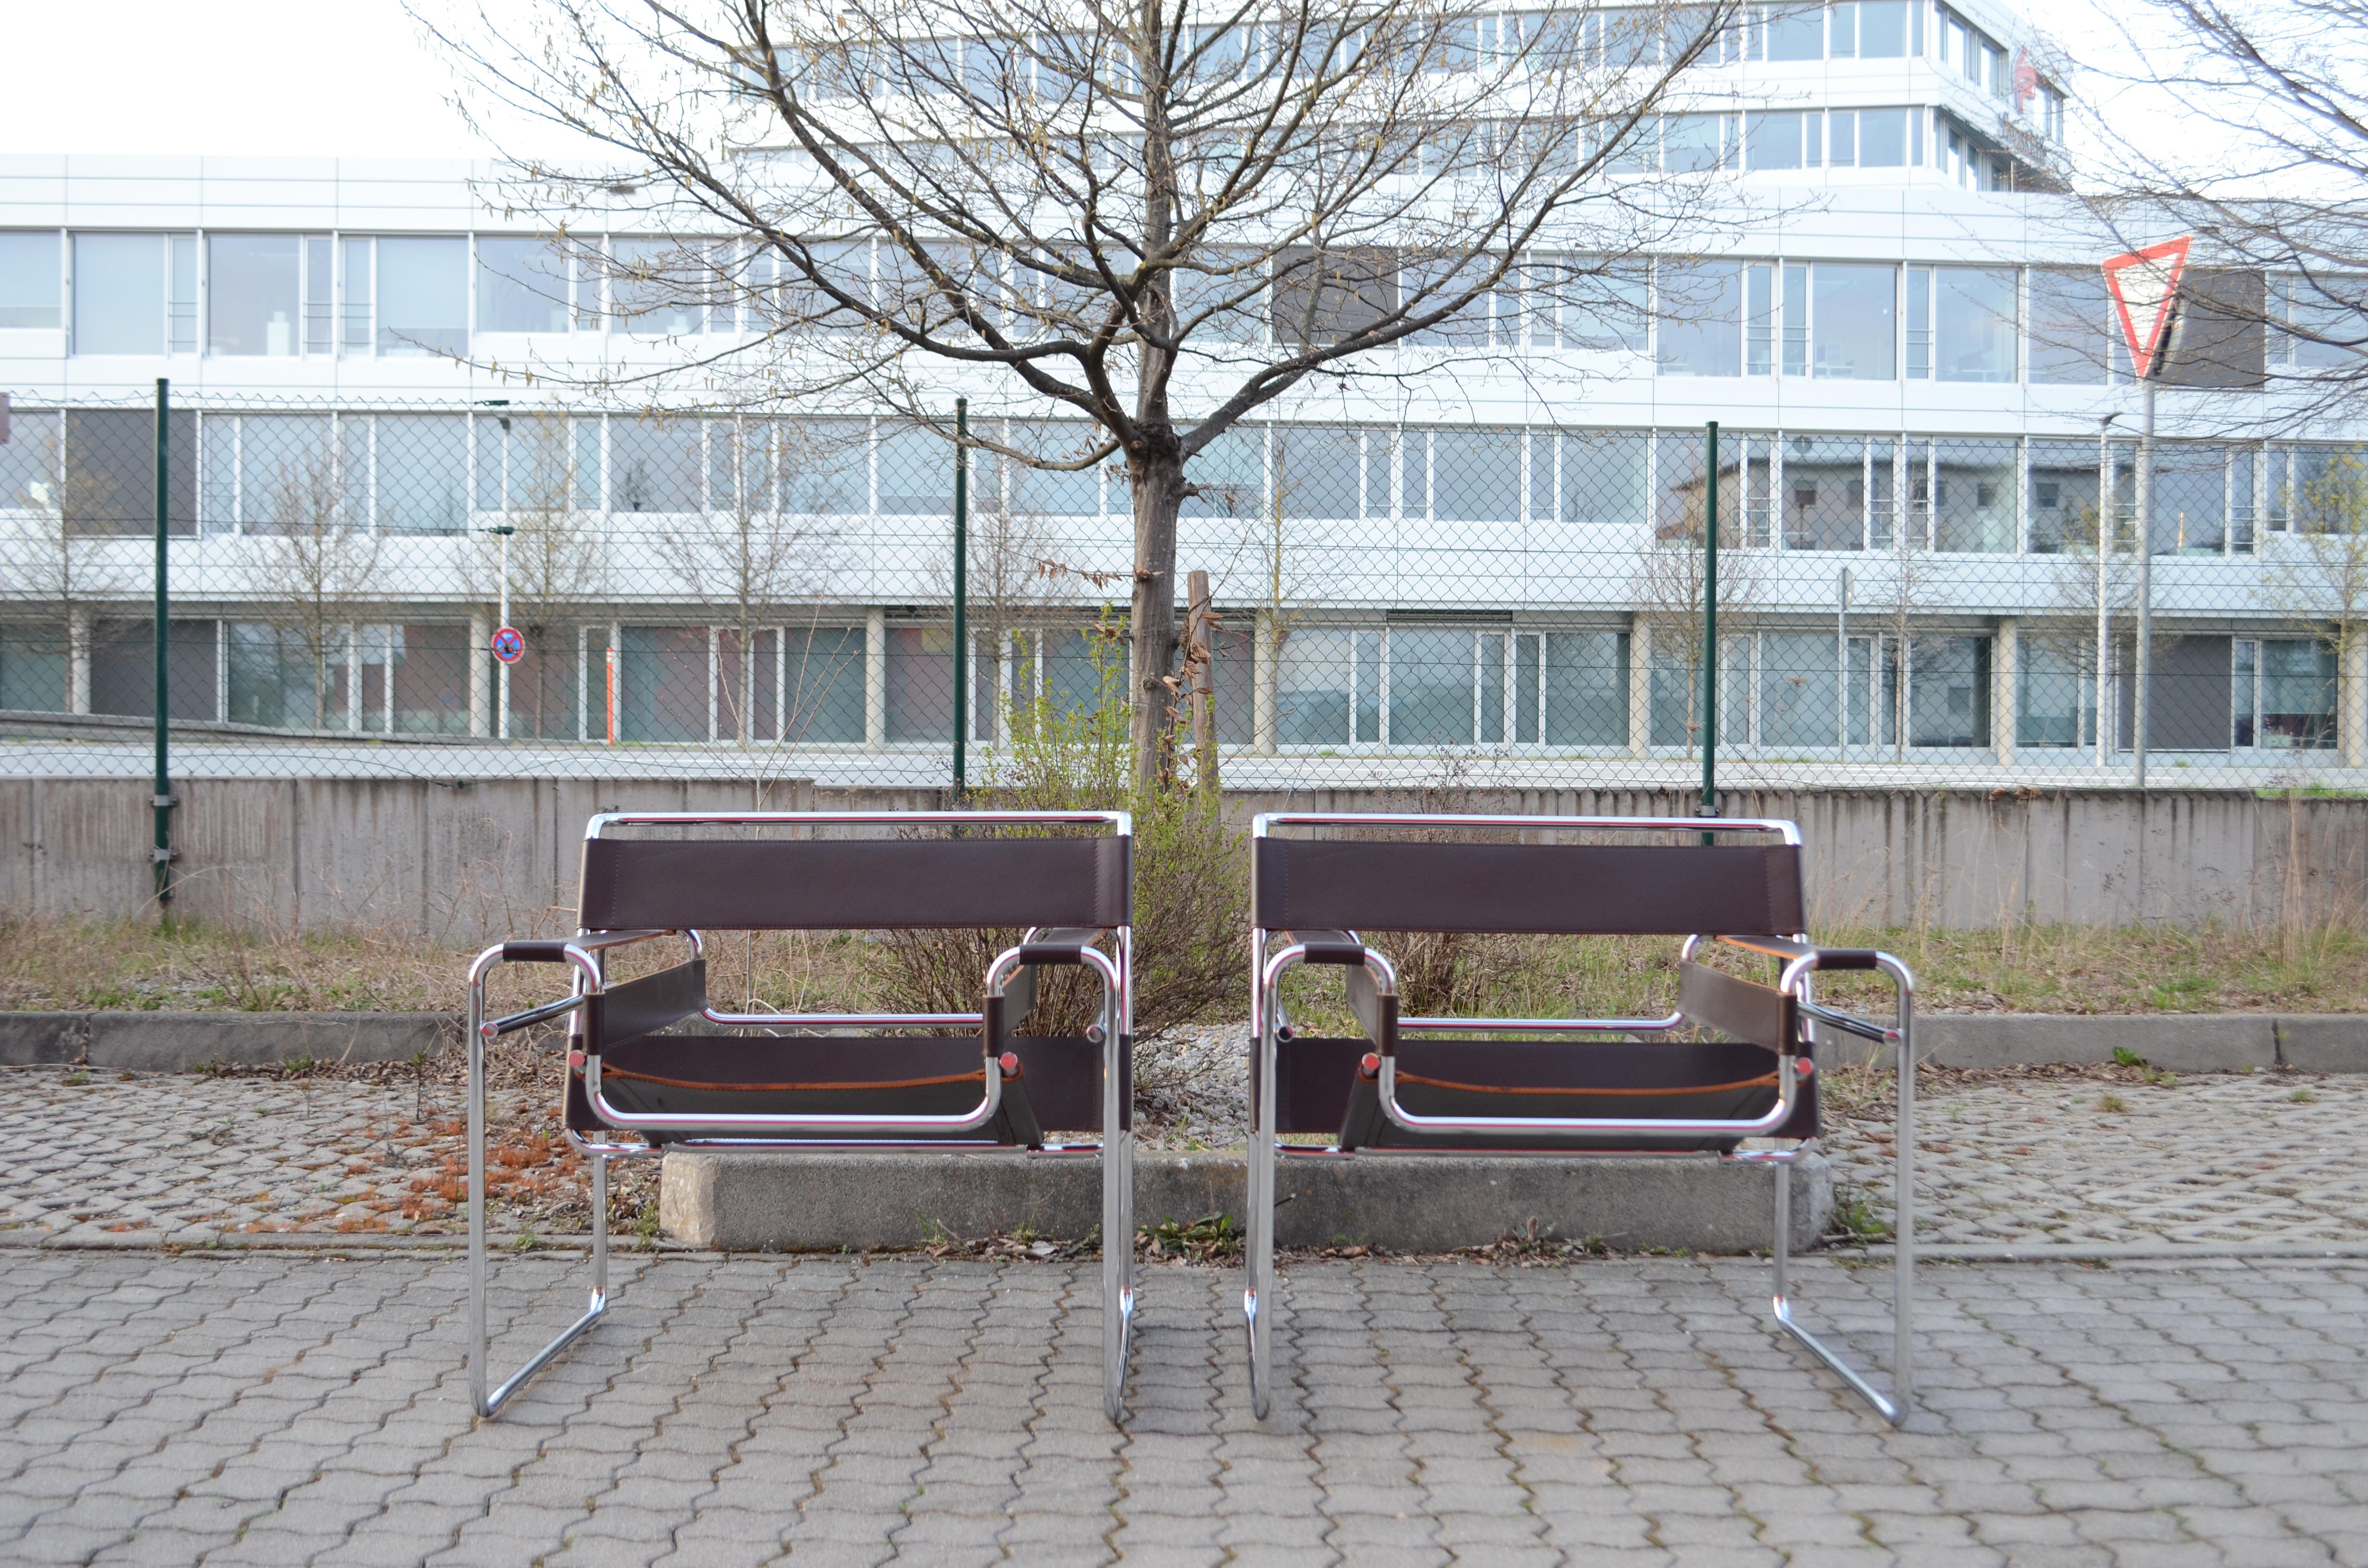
(2140, 713)
(161, 799)
(1709, 807)
(961, 596)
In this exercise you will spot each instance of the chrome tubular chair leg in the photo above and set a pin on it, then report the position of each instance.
(1903, 1276)
(1118, 1214)
(485, 1401)
(1258, 1295)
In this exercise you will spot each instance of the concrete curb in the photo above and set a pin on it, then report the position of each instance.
(2177, 1042)
(180, 1043)
(823, 1200)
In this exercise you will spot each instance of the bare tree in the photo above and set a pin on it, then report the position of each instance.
(53, 566)
(316, 572)
(1672, 582)
(553, 555)
(1158, 218)
(750, 551)
(2248, 128)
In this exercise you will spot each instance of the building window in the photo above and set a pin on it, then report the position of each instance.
(1697, 143)
(1889, 29)
(1775, 140)
(423, 295)
(135, 293)
(522, 285)
(2064, 497)
(2071, 334)
(30, 282)
(254, 295)
(1700, 329)
(421, 471)
(2282, 695)
(1973, 496)
(1973, 321)
(1795, 33)
(1853, 325)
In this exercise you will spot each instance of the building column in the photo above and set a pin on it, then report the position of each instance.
(1266, 676)
(2006, 688)
(481, 674)
(2351, 703)
(1640, 687)
(78, 661)
(875, 678)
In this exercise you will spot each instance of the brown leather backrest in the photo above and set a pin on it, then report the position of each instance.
(854, 884)
(1575, 890)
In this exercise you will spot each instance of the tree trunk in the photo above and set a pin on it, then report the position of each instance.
(1156, 473)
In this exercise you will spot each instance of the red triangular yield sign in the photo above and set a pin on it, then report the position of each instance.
(2144, 284)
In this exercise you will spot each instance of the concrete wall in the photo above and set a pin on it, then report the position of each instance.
(459, 861)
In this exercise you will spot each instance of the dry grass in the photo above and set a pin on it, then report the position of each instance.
(75, 964)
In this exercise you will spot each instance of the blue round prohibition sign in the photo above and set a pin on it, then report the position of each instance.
(509, 646)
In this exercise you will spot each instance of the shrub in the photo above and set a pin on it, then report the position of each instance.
(1191, 894)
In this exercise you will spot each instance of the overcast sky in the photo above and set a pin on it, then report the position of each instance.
(350, 78)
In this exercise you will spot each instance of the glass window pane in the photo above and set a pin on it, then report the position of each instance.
(1796, 33)
(1082, 670)
(660, 288)
(423, 296)
(1948, 692)
(1315, 471)
(1975, 313)
(2297, 695)
(1882, 28)
(357, 258)
(1855, 312)
(824, 694)
(1228, 471)
(521, 286)
(1430, 689)
(1475, 476)
(2071, 324)
(1052, 492)
(422, 473)
(656, 464)
(1606, 308)
(2190, 499)
(1603, 477)
(1883, 137)
(119, 293)
(826, 469)
(1974, 509)
(1773, 141)
(1311, 686)
(252, 293)
(288, 482)
(1825, 493)
(1701, 327)
(1586, 689)
(2063, 496)
(920, 683)
(1800, 689)
(2056, 701)
(1693, 144)
(29, 280)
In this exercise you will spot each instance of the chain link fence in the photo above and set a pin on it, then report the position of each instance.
(752, 598)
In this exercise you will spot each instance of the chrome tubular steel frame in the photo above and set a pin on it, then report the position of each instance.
(582, 957)
(1267, 971)
(584, 953)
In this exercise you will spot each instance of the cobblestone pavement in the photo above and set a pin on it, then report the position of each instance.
(106, 1157)
(2208, 1161)
(262, 1409)
(2213, 1160)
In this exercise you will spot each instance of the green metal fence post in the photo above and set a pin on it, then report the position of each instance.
(1709, 807)
(961, 596)
(161, 799)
